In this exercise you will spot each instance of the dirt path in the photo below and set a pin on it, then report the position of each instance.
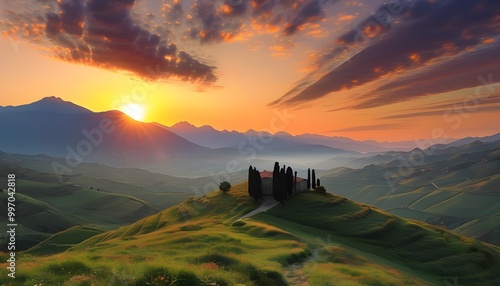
(294, 274)
(268, 203)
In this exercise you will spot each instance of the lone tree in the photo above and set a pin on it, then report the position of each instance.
(224, 186)
(313, 182)
(308, 178)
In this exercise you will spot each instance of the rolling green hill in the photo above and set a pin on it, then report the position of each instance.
(321, 239)
(454, 187)
(94, 195)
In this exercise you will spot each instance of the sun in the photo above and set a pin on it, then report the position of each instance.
(134, 110)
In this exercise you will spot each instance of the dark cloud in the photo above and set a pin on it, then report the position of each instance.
(308, 12)
(103, 33)
(215, 21)
(235, 7)
(175, 13)
(208, 24)
(461, 72)
(433, 34)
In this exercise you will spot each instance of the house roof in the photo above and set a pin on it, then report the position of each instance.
(269, 175)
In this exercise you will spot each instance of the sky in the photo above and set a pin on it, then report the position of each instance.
(382, 70)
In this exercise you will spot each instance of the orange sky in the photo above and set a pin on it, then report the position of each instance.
(258, 65)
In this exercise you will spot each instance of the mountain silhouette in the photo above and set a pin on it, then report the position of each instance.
(60, 128)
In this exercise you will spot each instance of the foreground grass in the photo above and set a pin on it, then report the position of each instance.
(199, 242)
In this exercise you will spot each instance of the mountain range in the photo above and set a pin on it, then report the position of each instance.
(59, 128)
(63, 129)
(210, 137)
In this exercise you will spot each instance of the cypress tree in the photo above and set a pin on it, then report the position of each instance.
(282, 186)
(295, 183)
(250, 181)
(308, 178)
(313, 179)
(289, 181)
(258, 191)
(318, 182)
(276, 181)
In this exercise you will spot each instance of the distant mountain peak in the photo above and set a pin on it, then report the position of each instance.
(50, 104)
(52, 99)
(182, 124)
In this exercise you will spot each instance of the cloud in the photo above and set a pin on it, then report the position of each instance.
(374, 127)
(309, 12)
(418, 42)
(468, 105)
(214, 21)
(102, 33)
(174, 13)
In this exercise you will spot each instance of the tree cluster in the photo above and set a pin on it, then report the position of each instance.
(254, 183)
(283, 182)
(312, 182)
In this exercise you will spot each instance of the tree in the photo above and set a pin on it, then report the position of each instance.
(224, 186)
(318, 182)
(295, 183)
(289, 182)
(258, 188)
(313, 182)
(254, 183)
(308, 178)
(282, 186)
(276, 182)
(251, 186)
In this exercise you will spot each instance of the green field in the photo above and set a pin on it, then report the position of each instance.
(455, 187)
(320, 239)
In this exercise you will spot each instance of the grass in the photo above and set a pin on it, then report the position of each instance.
(95, 194)
(467, 180)
(325, 239)
(64, 240)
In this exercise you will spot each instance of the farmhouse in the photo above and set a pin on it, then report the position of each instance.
(267, 183)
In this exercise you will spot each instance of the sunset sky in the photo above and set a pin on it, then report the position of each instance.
(360, 69)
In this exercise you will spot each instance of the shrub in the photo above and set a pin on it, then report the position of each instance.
(163, 276)
(320, 189)
(239, 223)
(219, 259)
(69, 268)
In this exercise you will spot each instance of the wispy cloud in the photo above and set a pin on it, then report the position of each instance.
(374, 127)
(418, 51)
(476, 104)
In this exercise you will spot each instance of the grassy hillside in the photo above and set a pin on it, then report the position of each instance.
(46, 206)
(64, 240)
(92, 194)
(314, 238)
(455, 187)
